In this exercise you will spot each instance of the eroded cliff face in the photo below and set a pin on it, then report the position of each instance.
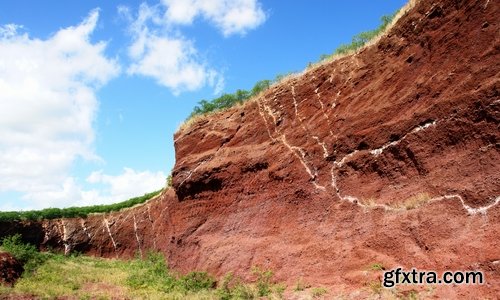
(389, 156)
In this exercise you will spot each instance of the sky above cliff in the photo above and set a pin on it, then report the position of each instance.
(91, 92)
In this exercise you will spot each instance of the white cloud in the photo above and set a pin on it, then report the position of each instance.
(9, 30)
(160, 51)
(48, 104)
(129, 184)
(170, 59)
(229, 16)
(172, 62)
(117, 188)
(48, 96)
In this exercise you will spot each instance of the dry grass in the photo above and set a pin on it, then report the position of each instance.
(409, 203)
(415, 201)
(369, 202)
(408, 6)
(376, 267)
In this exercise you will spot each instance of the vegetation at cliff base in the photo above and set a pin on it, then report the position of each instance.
(26, 254)
(50, 275)
(72, 212)
(56, 276)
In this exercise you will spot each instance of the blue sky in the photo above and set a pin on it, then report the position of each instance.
(91, 92)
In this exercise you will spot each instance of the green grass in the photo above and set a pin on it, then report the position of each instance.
(228, 100)
(263, 284)
(362, 38)
(376, 267)
(53, 276)
(26, 254)
(72, 212)
(83, 277)
(300, 285)
(318, 292)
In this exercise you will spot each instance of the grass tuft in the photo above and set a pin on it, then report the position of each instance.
(300, 285)
(415, 201)
(377, 267)
(318, 292)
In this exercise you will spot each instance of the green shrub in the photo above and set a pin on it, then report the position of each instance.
(279, 289)
(151, 272)
(300, 285)
(232, 288)
(261, 86)
(229, 100)
(263, 281)
(224, 289)
(360, 39)
(25, 253)
(196, 281)
(21, 251)
(243, 291)
(72, 212)
(318, 292)
(377, 267)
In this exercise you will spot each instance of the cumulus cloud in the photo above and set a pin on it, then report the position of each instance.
(48, 104)
(172, 62)
(159, 50)
(48, 98)
(170, 59)
(9, 30)
(128, 184)
(229, 16)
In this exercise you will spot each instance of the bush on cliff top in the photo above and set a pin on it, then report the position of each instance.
(72, 212)
(360, 39)
(228, 100)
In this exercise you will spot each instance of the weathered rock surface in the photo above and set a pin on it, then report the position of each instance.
(10, 269)
(389, 156)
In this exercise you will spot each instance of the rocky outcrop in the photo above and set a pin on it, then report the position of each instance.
(10, 269)
(389, 156)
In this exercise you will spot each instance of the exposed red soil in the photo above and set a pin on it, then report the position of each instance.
(311, 179)
(10, 269)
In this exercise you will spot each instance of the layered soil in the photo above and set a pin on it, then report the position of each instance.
(389, 157)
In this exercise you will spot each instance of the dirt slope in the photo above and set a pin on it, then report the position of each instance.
(10, 269)
(389, 156)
